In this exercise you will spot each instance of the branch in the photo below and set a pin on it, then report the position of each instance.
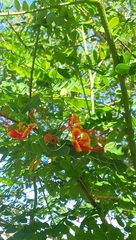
(108, 34)
(92, 201)
(93, 2)
(121, 78)
(129, 126)
(90, 198)
(8, 118)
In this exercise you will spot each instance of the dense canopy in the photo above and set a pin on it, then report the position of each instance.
(68, 120)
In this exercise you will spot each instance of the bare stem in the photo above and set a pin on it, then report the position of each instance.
(33, 62)
(35, 198)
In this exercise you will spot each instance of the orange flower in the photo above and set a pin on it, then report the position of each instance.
(20, 134)
(73, 121)
(81, 137)
(76, 132)
(47, 137)
(28, 130)
(77, 146)
(84, 141)
(14, 134)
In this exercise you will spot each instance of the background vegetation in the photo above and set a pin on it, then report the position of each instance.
(61, 61)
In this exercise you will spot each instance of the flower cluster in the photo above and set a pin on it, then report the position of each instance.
(21, 132)
(81, 139)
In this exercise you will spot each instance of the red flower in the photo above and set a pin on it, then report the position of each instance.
(21, 133)
(47, 137)
(55, 140)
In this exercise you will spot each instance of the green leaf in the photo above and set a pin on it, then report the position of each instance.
(120, 222)
(113, 22)
(45, 147)
(5, 110)
(60, 152)
(134, 231)
(111, 147)
(33, 102)
(3, 150)
(63, 11)
(6, 181)
(122, 68)
(77, 163)
(127, 57)
(70, 12)
(32, 6)
(99, 234)
(49, 30)
(64, 164)
(132, 70)
(72, 218)
(36, 148)
(25, 6)
(17, 5)
(51, 17)
(112, 235)
(64, 72)
(11, 229)
(41, 17)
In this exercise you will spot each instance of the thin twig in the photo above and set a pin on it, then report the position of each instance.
(91, 76)
(35, 193)
(127, 48)
(35, 198)
(107, 197)
(33, 62)
(45, 198)
(20, 39)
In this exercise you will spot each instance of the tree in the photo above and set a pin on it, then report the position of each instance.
(67, 120)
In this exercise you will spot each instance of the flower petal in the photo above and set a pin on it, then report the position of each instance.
(76, 132)
(77, 146)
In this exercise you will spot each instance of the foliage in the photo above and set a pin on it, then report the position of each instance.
(67, 120)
